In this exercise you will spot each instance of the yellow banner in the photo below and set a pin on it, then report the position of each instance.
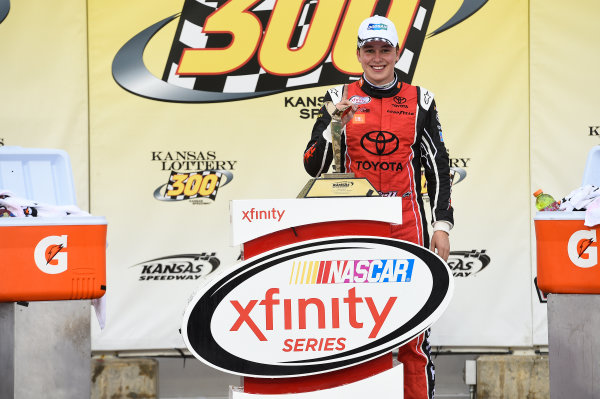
(43, 81)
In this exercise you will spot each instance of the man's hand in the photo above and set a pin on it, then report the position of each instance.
(348, 110)
(440, 244)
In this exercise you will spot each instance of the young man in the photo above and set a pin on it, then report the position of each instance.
(391, 131)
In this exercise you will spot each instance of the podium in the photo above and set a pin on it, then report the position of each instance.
(298, 220)
(321, 298)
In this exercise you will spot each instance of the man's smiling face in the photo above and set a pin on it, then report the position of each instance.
(377, 59)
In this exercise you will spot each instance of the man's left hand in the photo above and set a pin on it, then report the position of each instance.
(440, 244)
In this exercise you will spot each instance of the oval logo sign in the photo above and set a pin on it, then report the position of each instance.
(316, 306)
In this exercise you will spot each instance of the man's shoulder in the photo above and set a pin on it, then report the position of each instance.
(335, 94)
(425, 97)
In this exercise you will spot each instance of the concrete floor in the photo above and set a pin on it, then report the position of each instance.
(192, 379)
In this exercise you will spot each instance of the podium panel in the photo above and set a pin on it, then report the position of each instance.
(321, 298)
(387, 384)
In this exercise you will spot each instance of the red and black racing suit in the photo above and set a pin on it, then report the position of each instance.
(393, 134)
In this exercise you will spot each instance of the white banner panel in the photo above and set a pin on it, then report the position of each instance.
(255, 218)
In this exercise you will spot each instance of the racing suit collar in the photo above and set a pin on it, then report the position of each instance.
(376, 92)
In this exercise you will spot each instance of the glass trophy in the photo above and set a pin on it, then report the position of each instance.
(337, 184)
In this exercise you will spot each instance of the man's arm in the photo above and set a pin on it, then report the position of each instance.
(319, 154)
(437, 173)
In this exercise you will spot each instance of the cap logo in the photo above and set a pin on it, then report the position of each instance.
(377, 27)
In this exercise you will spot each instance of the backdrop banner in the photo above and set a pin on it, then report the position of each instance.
(43, 81)
(196, 103)
(170, 110)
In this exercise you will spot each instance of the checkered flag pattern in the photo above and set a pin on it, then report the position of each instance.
(213, 194)
(414, 41)
(251, 78)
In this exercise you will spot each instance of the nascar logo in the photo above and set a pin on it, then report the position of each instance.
(377, 27)
(352, 271)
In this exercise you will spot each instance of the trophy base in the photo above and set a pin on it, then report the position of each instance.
(338, 185)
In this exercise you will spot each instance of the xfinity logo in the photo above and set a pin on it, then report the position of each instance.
(302, 306)
(268, 214)
(316, 306)
(49, 255)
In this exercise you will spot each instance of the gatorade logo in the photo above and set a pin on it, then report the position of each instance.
(49, 254)
(583, 248)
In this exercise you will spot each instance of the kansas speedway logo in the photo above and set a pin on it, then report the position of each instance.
(178, 267)
(468, 263)
(239, 49)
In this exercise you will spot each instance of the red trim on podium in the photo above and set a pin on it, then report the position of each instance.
(318, 381)
(313, 231)
(334, 378)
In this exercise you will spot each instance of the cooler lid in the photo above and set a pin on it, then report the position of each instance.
(559, 215)
(42, 175)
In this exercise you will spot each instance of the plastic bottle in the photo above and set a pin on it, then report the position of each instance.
(545, 202)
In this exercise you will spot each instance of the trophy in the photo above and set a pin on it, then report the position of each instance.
(337, 184)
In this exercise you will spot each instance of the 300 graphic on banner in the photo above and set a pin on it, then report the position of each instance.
(193, 184)
(189, 185)
(241, 49)
(272, 47)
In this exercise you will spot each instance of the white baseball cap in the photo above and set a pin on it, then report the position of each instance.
(377, 28)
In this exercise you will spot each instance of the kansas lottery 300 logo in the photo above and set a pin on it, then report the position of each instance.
(193, 175)
(228, 50)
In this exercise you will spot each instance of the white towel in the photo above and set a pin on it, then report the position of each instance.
(21, 207)
(580, 198)
(592, 213)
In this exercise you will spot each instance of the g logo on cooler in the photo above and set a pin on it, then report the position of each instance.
(49, 256)
(583, 248)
